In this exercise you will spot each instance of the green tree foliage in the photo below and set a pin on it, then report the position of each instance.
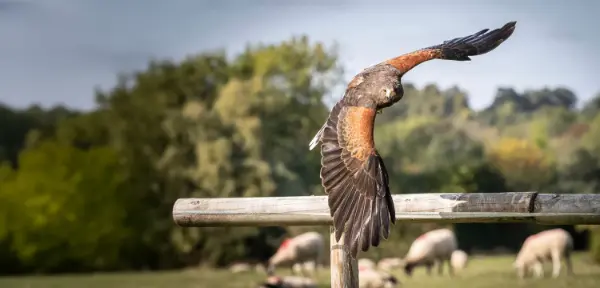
(65, 208)
(523, 163)
(591, 108)
(248, 141)
(17, 126)
(510, 107)
(430, 102)
(582, 175)
(590, 140)
(595, 244)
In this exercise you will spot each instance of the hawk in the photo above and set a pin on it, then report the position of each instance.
(353, 174)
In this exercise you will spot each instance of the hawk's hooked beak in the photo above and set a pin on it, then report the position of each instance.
(389, 93)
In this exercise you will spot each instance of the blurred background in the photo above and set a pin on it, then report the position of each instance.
(111, 110)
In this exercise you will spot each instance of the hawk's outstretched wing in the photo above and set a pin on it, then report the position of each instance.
(355, 178)
(457, 49)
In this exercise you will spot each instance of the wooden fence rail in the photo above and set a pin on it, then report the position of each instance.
(439, 207)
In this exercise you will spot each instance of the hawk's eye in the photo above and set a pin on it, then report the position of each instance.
(388, 92)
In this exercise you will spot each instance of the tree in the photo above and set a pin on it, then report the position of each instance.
(591, 108)
(248, 141)
(212, 127)
(66, 208)
(589, 140)
(522, 163)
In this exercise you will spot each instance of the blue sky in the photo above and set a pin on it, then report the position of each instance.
(57, 51)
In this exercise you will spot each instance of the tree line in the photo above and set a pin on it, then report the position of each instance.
(93, 191)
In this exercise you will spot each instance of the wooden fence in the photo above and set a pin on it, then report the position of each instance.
(443, 207)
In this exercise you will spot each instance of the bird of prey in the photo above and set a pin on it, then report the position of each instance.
(353, 174)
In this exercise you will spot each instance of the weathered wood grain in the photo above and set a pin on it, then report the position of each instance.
(427, 207)
(344, 268)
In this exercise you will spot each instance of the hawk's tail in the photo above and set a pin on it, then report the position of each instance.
(457, 49)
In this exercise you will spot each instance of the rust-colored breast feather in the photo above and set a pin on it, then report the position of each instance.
(357, 132)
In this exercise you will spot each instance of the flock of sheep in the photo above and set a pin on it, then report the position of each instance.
(303, 254)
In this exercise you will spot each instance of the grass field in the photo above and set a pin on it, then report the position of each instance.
(482, 272)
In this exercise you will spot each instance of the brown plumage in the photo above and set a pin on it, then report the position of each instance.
(352, 172)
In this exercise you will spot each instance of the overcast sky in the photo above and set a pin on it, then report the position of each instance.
(57, 51)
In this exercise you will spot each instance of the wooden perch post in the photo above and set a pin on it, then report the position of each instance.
(344, 269)
(428, 207)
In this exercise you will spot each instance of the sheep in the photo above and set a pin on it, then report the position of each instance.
(260, 268)
(365, 263)
(288, 282)
(387, 264)
(306, 266)
(371, 278)
(306, 247)
(433, 246)
(458, 260)
(553, 245)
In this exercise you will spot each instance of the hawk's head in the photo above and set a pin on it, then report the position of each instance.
(379, 84)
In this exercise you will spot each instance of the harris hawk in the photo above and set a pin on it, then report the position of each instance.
(353, 174)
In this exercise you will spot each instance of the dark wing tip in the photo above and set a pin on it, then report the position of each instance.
(510, 24)
(481, 42)
(508, 29)
(489, 41)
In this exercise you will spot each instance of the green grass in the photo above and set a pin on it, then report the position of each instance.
(482, 272)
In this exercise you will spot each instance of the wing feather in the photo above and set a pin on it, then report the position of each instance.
(457, 49)
(354, 177)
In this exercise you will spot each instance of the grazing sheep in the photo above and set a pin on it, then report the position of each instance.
(387, 264)
(260, 268)
(306, 247)
(239, 267)
(306, 266)
(458, 260)
(288, 282)
(429, 248)
(365, 263)
(553, 245)
(371, 278)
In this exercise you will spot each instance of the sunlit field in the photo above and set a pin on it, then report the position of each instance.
(482, 272)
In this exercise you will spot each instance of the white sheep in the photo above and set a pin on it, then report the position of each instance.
(549, 245)
(458, 260)
(387, 264)
(306, 247)
(305, 266)
(365, 263)
(429, 248)
(260, 268)
(288, 282)
(371, 278)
